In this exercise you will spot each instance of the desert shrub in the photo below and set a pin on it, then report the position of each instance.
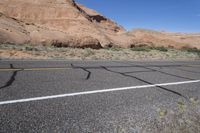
(162, 49)
(148, 48)
(193, 50)
(29, 48)
(145, 49)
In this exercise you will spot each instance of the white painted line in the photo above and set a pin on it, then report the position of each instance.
(94, 92)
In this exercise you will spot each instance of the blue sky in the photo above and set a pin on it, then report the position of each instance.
(168, 15)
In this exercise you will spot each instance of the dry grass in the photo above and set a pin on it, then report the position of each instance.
(137, 53)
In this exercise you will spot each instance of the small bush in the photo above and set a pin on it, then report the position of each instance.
(114, 49)
(145, 49)
(162, 49)
(193, 50)
(31, 49)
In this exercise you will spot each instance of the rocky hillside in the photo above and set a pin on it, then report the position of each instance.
(165, 39)
(69, 24)
(57, 22)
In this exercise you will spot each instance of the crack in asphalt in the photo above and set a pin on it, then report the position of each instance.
(130, 76)
(186, 70)
(89, 73)
(163, 88)
(147, 67)
(12, 78)
(84, 69)
(166, 73)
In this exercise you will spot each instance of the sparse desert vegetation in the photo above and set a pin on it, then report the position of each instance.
(183, 119)
(14, 51)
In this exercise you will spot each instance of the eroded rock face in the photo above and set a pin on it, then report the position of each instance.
(66, 23)
(63, 16)
(12, 31)
(78, 42)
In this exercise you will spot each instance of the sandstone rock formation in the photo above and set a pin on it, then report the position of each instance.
(165, 39)
(60, 18)
(66, 23)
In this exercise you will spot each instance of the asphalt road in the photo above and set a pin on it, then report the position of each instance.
(91, 96)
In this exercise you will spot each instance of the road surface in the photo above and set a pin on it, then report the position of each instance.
(91, 96)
